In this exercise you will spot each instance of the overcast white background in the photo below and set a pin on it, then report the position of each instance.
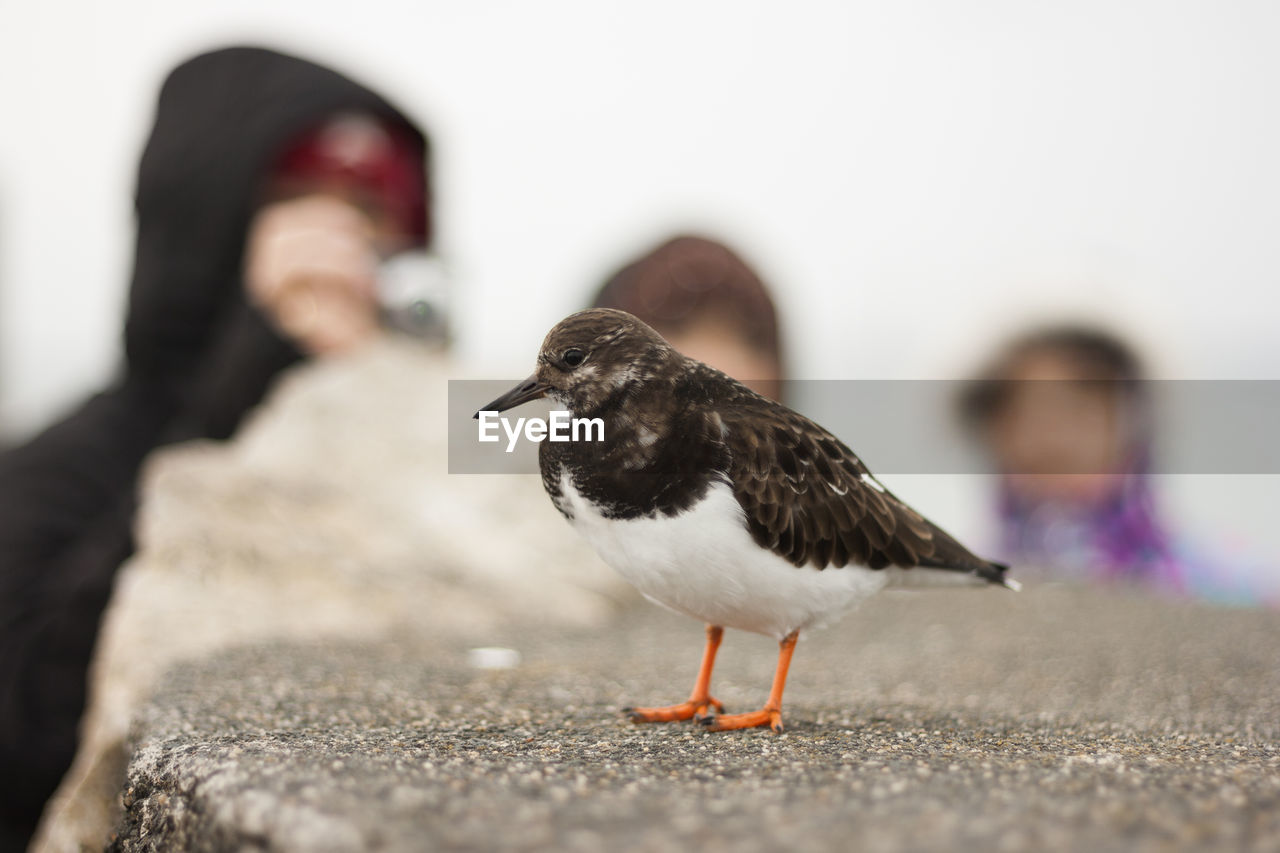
(915, 179)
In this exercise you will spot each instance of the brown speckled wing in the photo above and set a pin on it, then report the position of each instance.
(810, 500)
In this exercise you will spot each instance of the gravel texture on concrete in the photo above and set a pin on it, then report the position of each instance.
(1055, 719)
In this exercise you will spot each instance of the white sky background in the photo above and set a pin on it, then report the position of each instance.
(915, 179)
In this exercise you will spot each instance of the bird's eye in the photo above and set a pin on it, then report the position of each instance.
(573, 357)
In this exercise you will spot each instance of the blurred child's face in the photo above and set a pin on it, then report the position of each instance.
(1058, 434)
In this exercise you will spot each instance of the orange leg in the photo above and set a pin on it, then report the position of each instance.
(700, 699)
(771, 714)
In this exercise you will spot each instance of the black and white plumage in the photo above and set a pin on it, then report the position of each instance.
(717, 502)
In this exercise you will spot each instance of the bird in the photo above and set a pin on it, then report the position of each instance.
(719, 503)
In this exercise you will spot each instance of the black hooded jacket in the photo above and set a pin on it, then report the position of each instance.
(198, 357)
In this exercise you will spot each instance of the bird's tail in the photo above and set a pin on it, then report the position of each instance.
(998, 574)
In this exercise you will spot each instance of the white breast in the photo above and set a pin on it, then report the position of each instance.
(704, 563)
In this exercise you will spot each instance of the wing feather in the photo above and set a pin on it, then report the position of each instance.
(811, 500)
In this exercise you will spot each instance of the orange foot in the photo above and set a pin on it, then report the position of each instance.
(691, 710)
(770, 717)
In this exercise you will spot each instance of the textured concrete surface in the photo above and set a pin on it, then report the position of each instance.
(1056, 719)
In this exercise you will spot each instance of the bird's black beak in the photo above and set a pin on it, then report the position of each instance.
(530, 389)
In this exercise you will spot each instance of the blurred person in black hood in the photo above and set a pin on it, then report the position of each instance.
(269, 189)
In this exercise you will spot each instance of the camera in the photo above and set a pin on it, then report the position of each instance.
(413, 295)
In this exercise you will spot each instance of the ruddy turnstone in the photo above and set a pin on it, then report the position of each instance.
(720, 503)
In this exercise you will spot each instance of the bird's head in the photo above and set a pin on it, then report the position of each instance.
(591, 358)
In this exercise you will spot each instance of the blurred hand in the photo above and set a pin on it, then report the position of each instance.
(310, 265)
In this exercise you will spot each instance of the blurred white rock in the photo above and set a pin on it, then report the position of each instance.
(332, 513)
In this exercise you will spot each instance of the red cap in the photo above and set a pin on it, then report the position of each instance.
(373, 158)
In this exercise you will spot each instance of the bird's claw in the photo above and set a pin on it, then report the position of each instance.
(708, 712)
(694, 709)
(753, 719)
